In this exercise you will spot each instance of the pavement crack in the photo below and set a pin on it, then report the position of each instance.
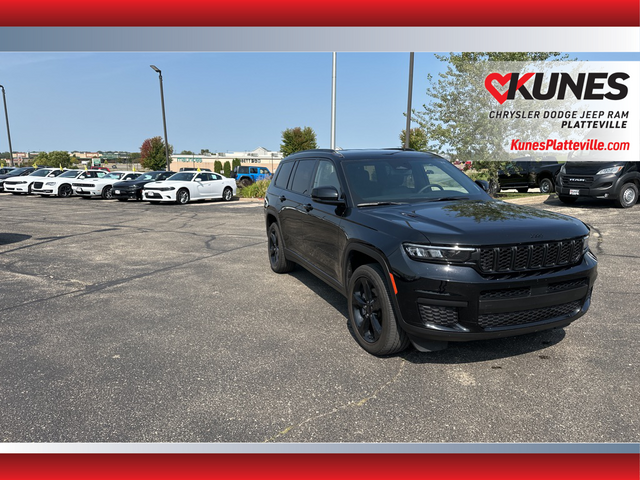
(348, 405)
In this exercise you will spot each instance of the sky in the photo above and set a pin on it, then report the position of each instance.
(218, 101)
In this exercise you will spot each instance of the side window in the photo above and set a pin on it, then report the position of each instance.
(201, 177)
(302, 176)
(283, 173)
(215, 176)
(326, 175)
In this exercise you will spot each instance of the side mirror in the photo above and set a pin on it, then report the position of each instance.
(483, 184)
(327, 195)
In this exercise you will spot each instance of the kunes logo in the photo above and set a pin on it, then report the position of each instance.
(587, 86)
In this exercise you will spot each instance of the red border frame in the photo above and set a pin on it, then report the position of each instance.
(355, 13)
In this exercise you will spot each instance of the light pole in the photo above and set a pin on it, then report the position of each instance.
(407, 134)
(164, 118)
(4, 98)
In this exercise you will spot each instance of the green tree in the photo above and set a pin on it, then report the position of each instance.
(217, 166)
(41, 159)
(134, 156)
(417, 139)
(297, 139)
(205, 151)
(455, 118)
(152, 154)
(186, 152)
(59, 158)
(236, 163)
(227, 169)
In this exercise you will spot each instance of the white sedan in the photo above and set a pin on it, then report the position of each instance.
(24, 184)
(185, 186)
(61, 185)
(101, 187)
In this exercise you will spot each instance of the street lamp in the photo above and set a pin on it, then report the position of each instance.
(4, 98)
(164, 118)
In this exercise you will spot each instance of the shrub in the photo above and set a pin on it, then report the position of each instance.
(255, 190)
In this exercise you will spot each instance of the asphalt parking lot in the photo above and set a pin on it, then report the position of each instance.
(130, 322)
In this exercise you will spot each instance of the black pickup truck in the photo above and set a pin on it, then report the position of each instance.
(525, 173)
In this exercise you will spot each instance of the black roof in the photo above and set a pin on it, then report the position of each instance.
(359, 154)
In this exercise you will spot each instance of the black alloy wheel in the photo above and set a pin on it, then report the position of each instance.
(107, 192)
(65, 190)
(277, 260)
(371, 314)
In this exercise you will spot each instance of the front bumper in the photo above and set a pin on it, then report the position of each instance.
(454, 303)
(16, 188)
(87, 192)
(159, 195)
(126, 193)
(593, 186)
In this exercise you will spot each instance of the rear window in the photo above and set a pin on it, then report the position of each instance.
(302, 176)
(282, 176)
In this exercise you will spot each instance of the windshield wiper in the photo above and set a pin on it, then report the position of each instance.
(446, 199)
(375, 204)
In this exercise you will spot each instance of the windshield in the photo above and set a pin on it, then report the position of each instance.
(41, 173)
(182, 177)
(18, 171)
(407, 180)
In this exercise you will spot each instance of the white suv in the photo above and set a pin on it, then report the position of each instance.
(101, 187)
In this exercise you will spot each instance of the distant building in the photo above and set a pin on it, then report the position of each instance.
(260, 156)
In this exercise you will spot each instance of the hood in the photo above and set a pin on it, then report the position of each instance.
(588, 168)
(131, 183)
(477, 223)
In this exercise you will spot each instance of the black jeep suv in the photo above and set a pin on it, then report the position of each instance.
(423, 254)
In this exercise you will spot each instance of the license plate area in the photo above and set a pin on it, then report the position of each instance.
(574, 191)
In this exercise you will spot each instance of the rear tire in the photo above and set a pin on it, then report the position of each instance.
(371, 314)
(547, 186)
(277, 260)
(628, 196)
(245, 182)
(227, 194)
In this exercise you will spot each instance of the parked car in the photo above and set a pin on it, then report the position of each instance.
(525, 173)
(62, 185)
(4, 170)
(24, 184)
(101, 187)
(127, 189)
(183, 187)
(17, 172)
(423, 254)
(245, 176)
(617, 181)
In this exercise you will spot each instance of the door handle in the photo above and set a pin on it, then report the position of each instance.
(282, 198)
(308, 207)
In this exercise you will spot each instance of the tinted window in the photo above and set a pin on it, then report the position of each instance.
(326, 175)
(282, 177)
(302, 176)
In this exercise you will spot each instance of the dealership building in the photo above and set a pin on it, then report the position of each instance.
(258, 157)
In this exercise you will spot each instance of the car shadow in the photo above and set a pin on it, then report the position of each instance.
(456, 352)
(583, 203)
(9, 238)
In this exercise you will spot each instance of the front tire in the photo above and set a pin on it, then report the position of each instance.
(547, 186)
(628, 196)
(227, 194)
(107, 192)
(65, 190)
(182, 196)
(277, 260)
(371, 314)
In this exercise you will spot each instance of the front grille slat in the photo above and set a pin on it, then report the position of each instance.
(444, 316)
(491, 320)
(522, 258)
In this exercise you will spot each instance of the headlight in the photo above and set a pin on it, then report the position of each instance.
(585, 243)
(434, 253)
(609, 170)
(50, 184)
